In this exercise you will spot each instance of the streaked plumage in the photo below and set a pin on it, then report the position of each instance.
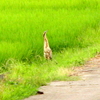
(47, 49)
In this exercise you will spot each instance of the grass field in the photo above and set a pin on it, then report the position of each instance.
(74, 36)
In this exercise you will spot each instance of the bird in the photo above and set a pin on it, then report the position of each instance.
(47, 49)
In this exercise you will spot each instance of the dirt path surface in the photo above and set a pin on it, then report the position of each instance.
(86, 89)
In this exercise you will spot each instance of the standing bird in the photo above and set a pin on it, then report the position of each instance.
(47, 49)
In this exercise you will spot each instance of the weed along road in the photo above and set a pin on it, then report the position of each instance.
(88, 88)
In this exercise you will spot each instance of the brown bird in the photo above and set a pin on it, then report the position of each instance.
(47, 49)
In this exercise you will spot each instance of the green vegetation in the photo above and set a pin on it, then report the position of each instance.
(73, 32)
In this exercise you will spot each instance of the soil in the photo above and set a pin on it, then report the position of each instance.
(88, 88)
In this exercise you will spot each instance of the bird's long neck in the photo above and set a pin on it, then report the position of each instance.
(46, 43)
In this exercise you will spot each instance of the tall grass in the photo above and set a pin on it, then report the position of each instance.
(73, 32)
(23, 22)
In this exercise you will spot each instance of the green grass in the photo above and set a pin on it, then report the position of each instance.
(74, 36)
(24, 80)
(23, 22)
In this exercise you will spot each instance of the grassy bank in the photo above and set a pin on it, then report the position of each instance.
(74, 36)
(24, 80)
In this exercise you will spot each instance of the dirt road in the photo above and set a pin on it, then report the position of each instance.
(86, 89)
